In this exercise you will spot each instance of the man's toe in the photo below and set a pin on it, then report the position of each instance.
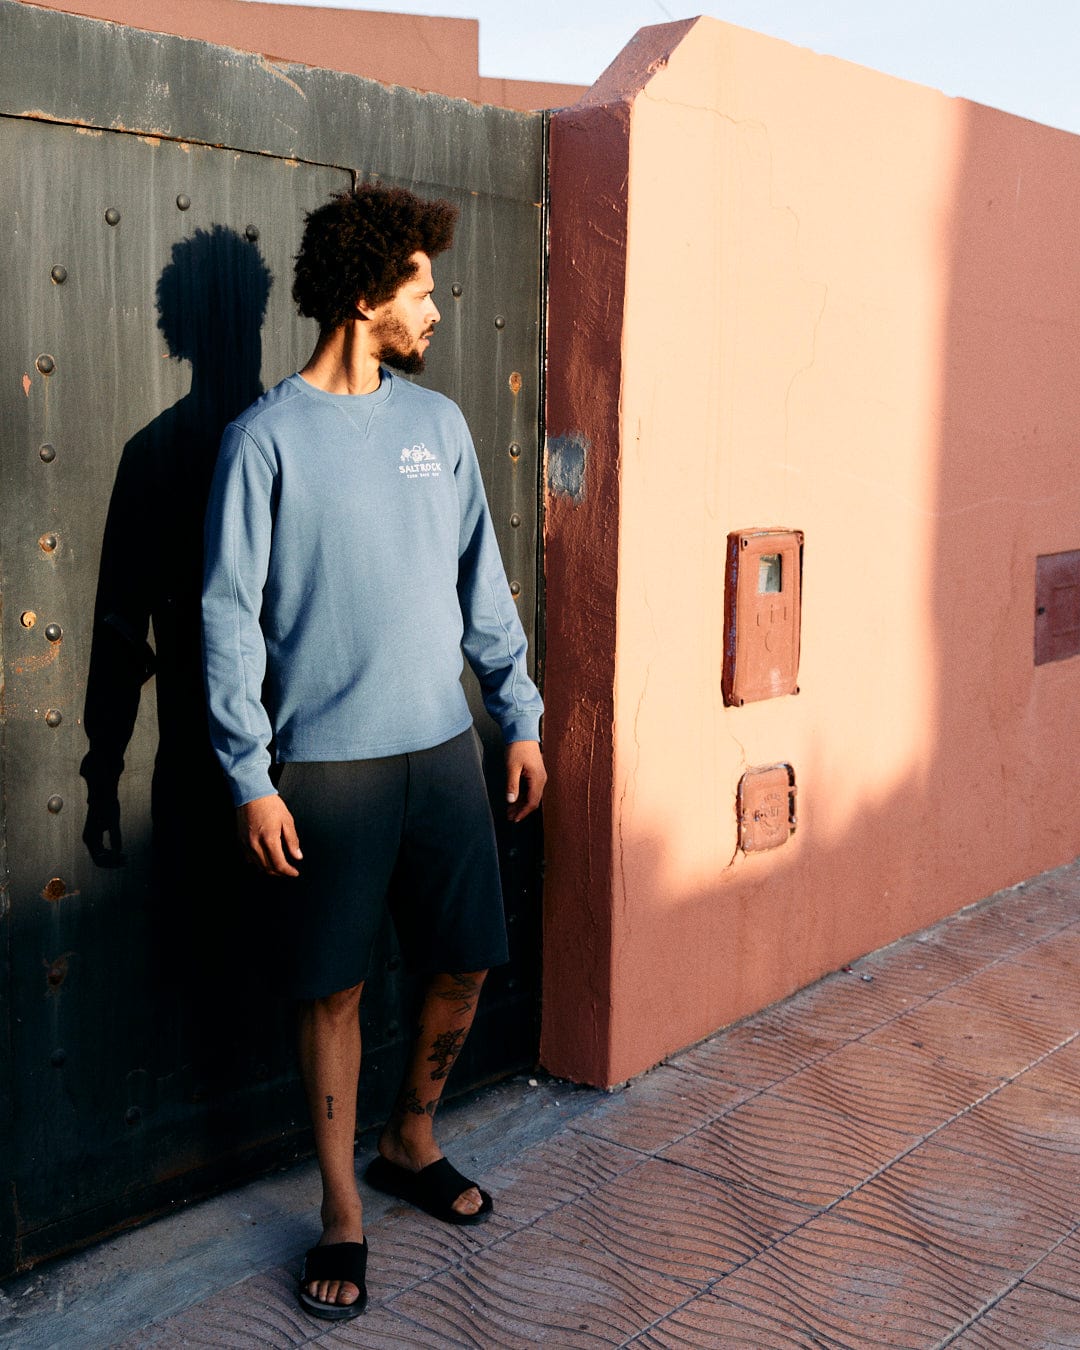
(333, 1291)
(468, 1202)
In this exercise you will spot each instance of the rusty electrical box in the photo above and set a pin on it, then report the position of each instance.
(1057, 606)
(766, 807)
(762, 615)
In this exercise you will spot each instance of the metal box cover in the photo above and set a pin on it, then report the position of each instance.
(766, 807)
(762, 618)
(1057, 606)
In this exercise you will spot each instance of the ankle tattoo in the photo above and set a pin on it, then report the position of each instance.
(329, 1108)
(409, 1104)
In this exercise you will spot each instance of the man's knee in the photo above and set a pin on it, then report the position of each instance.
(342, 1003)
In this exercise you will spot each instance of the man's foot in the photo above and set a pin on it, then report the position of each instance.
(411, 1154)
(328, 1278)
(437, 1189)
(333, 1282)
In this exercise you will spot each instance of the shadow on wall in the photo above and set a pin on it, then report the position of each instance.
(889, 364)
(211, 301)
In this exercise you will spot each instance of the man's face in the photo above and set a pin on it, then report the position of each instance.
(401, 328)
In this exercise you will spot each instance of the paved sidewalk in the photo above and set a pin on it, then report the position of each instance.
(889, 1159)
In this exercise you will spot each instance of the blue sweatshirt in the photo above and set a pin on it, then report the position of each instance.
(350, 556)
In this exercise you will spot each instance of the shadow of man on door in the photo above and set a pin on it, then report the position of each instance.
(211, 300)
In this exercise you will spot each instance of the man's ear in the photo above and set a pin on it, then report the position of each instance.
(364, 310)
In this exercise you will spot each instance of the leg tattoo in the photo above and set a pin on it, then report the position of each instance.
(444, 1050)
(409, 1104)
(463, 995)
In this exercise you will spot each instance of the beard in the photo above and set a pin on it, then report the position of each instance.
(396, 348)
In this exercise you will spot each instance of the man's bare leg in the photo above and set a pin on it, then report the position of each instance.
(408, 1140)
(330, 1065)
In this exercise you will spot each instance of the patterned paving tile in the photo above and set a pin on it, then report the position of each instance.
(978, 1040)
(794, 1151)
(1058, 953)
(261, 1311)
(1053, 898)
(1026, 1319)
(850, 1286)
(1060, 1271)
(999, 929)
(923, 965)
(981, 1207)
(668, 1220)
(652, 1111)
(1058, 1073)
(407, 1247)
(761, 1052)
(870, 1085)
(1034, 1132)
(713, 1322)
(538, 1288)
(381, 1329)
(1042, 996)
(551, 1174)
(847, 1005)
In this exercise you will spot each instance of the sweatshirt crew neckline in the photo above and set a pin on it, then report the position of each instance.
(354, 401)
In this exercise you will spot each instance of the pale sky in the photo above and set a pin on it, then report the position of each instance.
(1019, 55)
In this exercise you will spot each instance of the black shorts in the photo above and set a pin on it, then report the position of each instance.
(409, 832)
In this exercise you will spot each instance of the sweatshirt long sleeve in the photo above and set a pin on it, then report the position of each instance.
(350, 558)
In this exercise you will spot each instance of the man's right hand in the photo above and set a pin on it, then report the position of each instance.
(268, 835)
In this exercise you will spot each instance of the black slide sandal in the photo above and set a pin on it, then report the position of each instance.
(344, 1261)
(433, 1189)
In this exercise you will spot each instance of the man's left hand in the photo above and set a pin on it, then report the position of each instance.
(525, 778)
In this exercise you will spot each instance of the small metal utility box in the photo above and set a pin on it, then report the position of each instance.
(766, 807)
(1057, 606)
(762, 615)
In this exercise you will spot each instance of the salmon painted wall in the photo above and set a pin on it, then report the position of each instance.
(434, 54)
(845, 304)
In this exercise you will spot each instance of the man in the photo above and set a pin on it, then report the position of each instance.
(350, 557)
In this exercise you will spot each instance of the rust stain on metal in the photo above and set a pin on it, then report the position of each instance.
(56, 889)
(38, 115)
(270, 66)
(26, 382)
(56, 972)
(32, 665)
(515, 382)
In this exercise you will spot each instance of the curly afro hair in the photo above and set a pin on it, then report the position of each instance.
(358, 246)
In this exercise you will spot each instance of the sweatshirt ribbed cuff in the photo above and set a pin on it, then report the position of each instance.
(522, 727)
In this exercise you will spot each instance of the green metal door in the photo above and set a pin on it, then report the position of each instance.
(147, 229)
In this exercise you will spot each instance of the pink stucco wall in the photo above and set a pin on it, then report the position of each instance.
(434, 54)
(789, 291)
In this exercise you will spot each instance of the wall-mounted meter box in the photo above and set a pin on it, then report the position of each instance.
(762, 615)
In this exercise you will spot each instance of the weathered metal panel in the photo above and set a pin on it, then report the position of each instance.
(133, 973)
(1057, 606)
(145, 285)
(130, 80)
